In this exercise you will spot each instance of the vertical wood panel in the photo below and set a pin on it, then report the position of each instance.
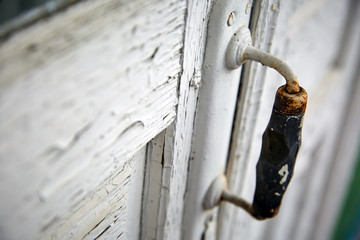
(307, 35)
(82, 92)
(150, 220)
(240, 170)
(178, 136)
(214, 117)
(318, 40)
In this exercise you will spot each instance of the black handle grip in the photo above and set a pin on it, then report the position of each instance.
(281, 143)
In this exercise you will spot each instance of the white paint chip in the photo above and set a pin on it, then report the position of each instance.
(284, 172)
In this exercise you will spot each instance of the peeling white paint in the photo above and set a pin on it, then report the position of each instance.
(284, 172)
(82, 92)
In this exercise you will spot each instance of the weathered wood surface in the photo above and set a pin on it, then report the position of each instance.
(178, 138)
(81, 93)
(334, 169)
(308, 35)
(214, 117)
(263, 22)
(150, 220)
(177, 149)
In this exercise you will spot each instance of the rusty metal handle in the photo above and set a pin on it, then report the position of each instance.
(281, 139)
(280, 145)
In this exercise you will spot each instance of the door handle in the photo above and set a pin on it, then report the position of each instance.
(281, 140)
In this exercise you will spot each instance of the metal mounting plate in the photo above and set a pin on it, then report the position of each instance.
(213, 194)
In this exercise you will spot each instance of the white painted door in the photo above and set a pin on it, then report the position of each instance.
(320, 41)
(115, 117)
(97, 106)
(82, 93)
(311, 37)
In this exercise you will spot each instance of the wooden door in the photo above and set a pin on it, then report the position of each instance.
(82, 93)
(115, 117)
(97, 111)
(317, 39)
(313, 38)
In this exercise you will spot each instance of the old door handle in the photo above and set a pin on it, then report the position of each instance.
(281, 139)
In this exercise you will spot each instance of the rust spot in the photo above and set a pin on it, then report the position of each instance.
(230, 20)
(247, 8)
(290, 103)
(274, 212)
(293, 86)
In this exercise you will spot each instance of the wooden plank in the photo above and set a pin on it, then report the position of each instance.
(310, 49)
(178, 136)
(113, 211)
(214, 116)
(321, 77)
(171, 168)
(343, 152)
(152, 188)
(240, 169)
(81, 93)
